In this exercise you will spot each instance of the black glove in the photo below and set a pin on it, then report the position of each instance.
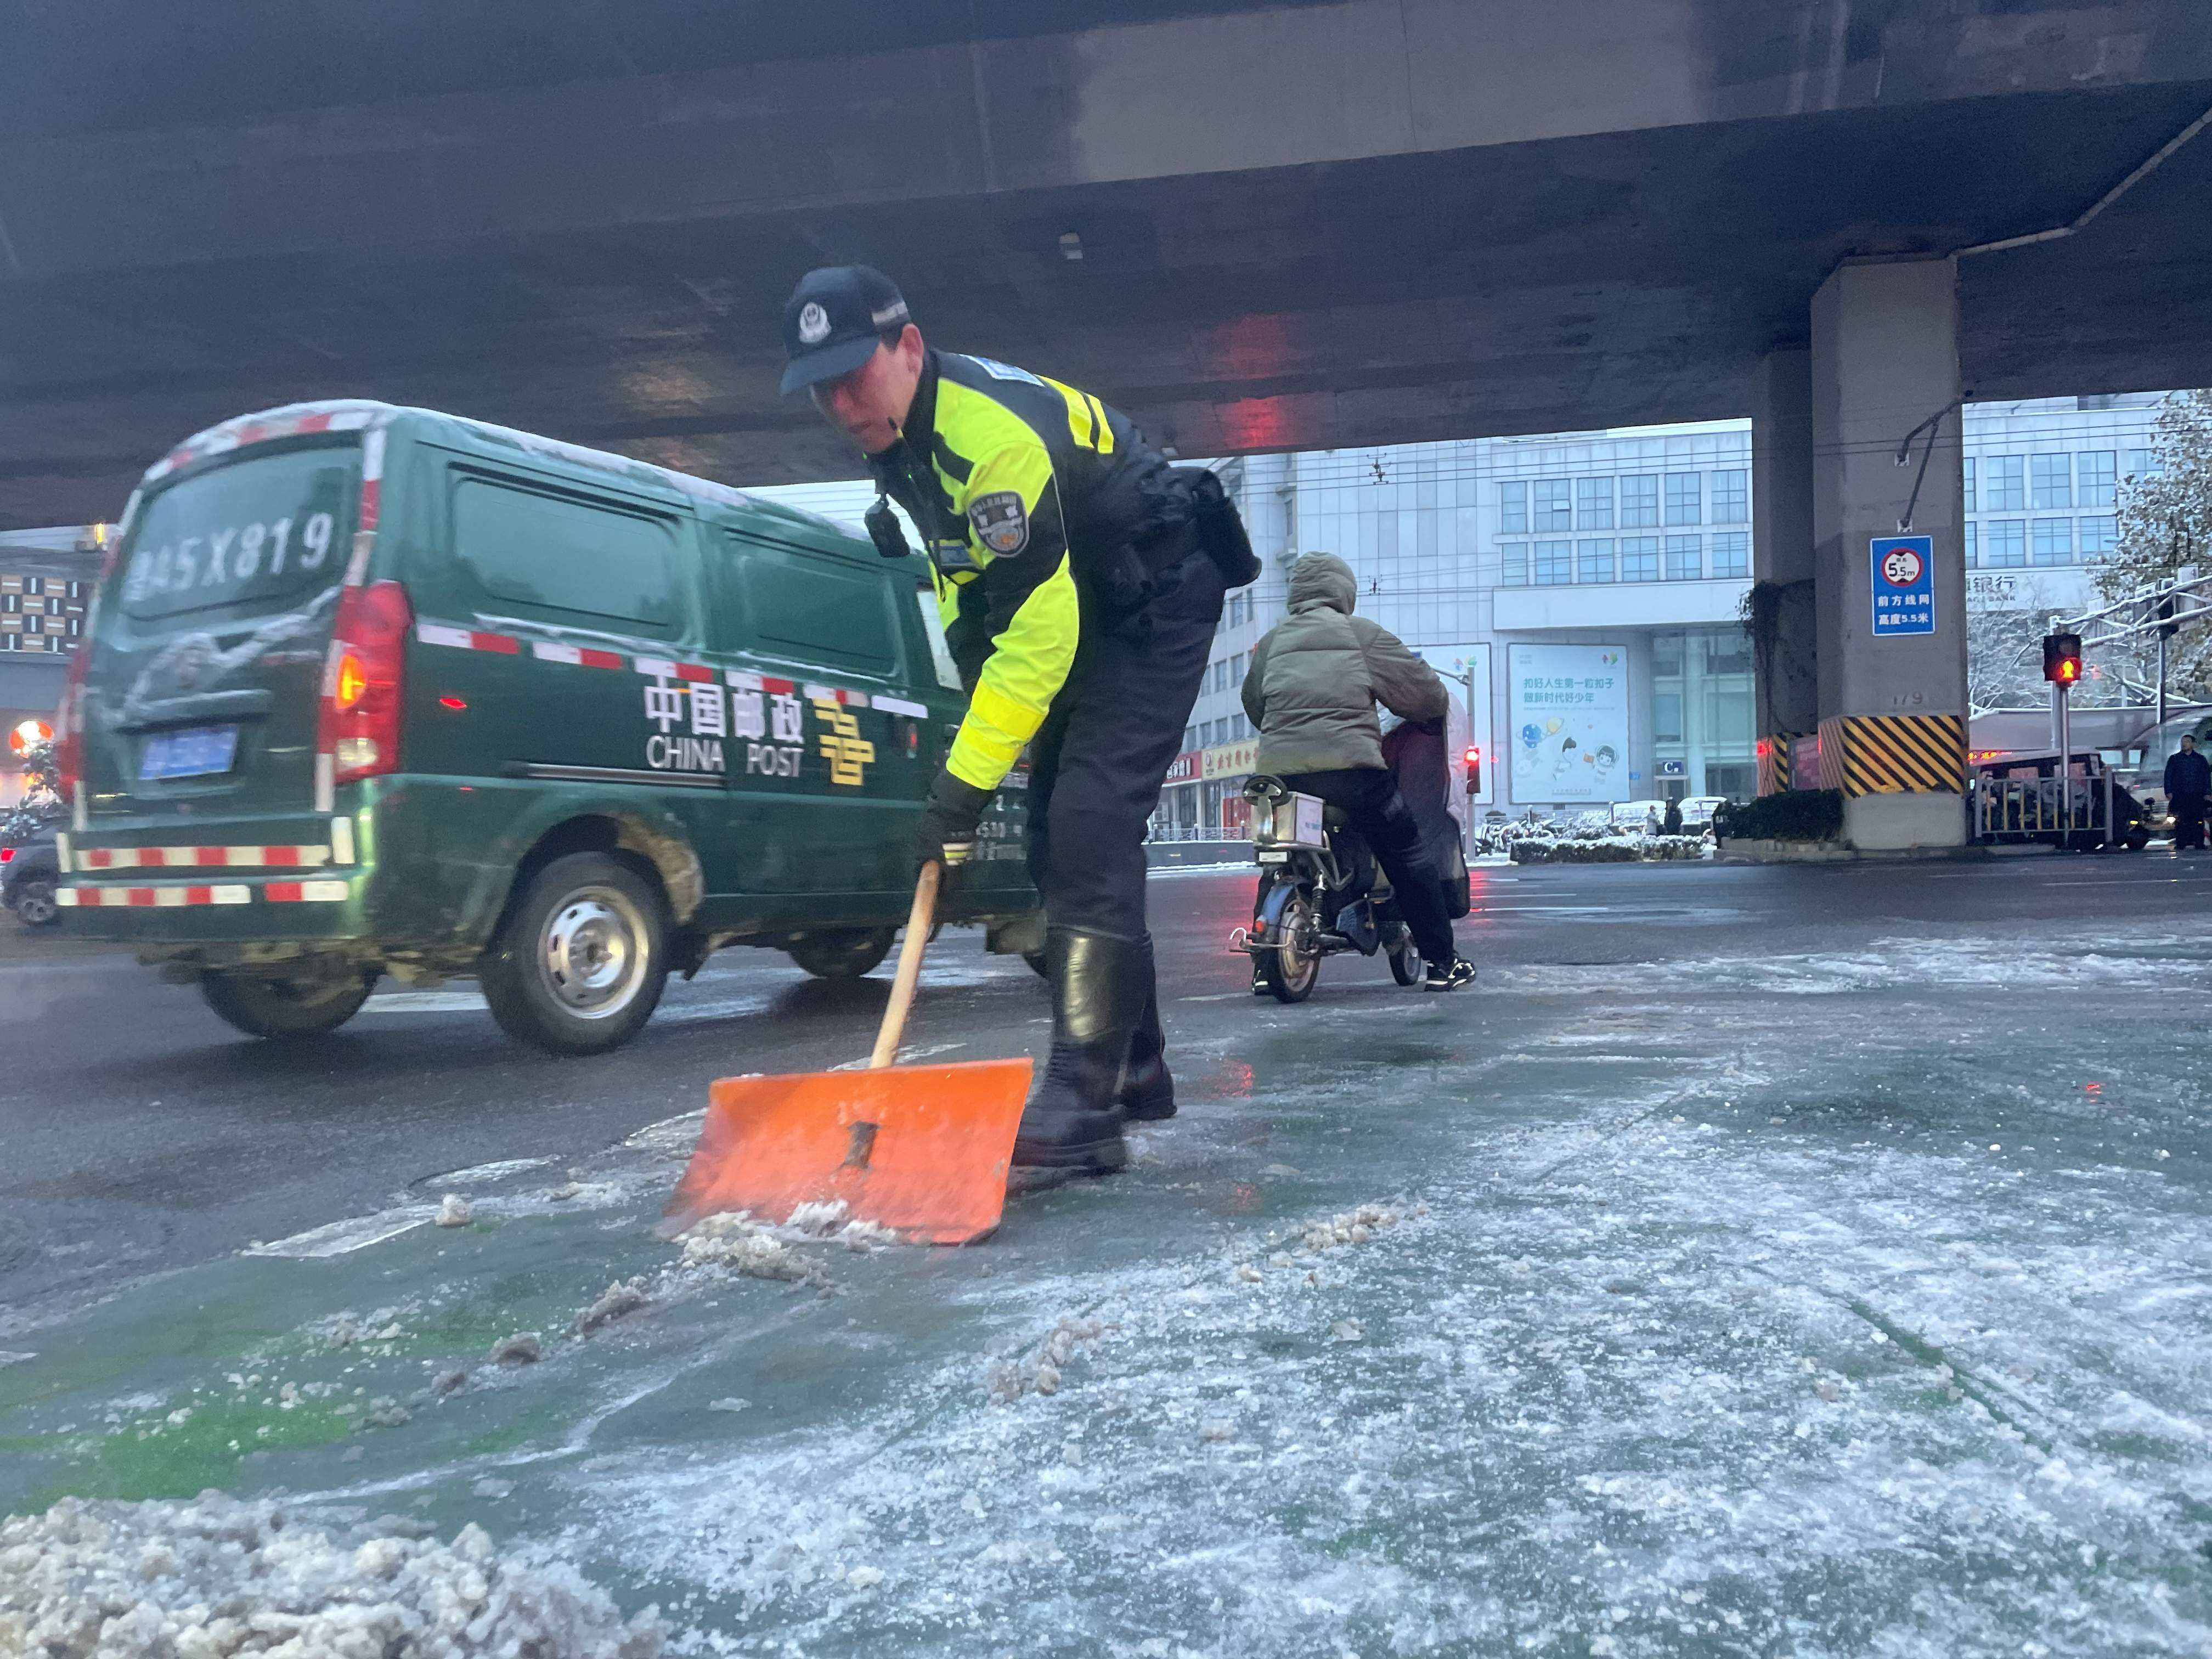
(946, 834)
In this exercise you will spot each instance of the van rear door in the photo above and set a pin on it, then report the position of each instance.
(204, 684)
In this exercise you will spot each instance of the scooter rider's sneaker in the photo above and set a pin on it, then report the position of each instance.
(1450, 976)
(1073, 1121)
(1147, 1092)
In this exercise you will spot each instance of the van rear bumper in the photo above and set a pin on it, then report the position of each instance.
(221, 907)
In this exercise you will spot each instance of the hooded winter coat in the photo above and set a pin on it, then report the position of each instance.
(1317, 675)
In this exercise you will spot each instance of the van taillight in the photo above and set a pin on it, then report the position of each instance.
(362, 685)
(69, 725)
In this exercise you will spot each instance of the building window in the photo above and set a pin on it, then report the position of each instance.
(1685, 498)
(1639, 558)
(2004, 544)
(1513, 564)
(2100, 534)
(2004, 484)
(2142, 464)
(1972, 549)
(1639, 502)
(1593, 503)
(1512, 509)
(1554, 567)
(1728, 651)
(2052, 540)
(1190, 736)
(2093, 470)
(1731, 553)
(2095, 400)
(1243, 727)
(1594, 562)
(1553, 508)
(1236, 671)
(1731, 497)
(1684, 558)
(1667, 717)
(2050, 481)
(1969, 483)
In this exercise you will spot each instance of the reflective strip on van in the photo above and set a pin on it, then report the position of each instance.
(467, 639)
(901, 706)
(187, 858)
(662, 668)
(312, 892)
(582, 655)
(154, 898)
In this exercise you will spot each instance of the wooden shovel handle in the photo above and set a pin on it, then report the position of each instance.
(918, 921)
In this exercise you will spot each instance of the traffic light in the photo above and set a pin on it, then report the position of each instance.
(1474, 758)
(2062, 658)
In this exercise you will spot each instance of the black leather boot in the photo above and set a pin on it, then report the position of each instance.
(1073, 1121)
(1147, 1091)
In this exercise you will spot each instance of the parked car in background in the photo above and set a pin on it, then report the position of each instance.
(1697, 811)
(1630, 816)
(30, 870)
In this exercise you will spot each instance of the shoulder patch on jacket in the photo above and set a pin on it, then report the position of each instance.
(1002, 523)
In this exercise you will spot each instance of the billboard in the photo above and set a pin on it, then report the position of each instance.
(1466, 725)
(1569, 709)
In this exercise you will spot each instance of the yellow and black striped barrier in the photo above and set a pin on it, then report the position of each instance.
(1774, 762)
(1894, 754)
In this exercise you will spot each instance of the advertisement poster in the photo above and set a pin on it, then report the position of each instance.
(1452, 663)
(1570, 722)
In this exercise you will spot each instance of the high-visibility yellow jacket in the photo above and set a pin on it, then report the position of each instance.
(1021, 488)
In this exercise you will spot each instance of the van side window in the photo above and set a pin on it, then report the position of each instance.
(814, 608)
(558, 553)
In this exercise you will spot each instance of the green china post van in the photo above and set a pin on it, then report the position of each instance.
(376, 691)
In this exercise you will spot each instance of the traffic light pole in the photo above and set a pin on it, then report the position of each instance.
(2065, 752)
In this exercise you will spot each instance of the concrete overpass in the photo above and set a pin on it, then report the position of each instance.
(1257, 226)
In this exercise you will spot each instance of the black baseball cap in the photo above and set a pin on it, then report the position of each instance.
(834, 321)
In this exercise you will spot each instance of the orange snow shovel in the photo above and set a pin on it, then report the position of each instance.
(921, 1149)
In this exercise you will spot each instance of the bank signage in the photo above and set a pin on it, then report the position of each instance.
(1904, 585)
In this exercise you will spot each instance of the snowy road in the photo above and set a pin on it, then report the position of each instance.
(1762, 1261)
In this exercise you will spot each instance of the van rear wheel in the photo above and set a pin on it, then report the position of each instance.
(263, 1007)
(845, 953)
(580, 961)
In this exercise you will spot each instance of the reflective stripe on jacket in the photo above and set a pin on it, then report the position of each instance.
(1014, 480)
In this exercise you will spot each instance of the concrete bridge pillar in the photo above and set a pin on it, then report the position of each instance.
(1893, 700)
(1783, 631)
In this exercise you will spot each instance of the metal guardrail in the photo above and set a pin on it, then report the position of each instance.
(2024, 809)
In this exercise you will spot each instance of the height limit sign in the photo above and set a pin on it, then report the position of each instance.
(1904, 585)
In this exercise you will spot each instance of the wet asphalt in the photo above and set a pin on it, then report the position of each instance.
(1759, 1260)
(141, 1134)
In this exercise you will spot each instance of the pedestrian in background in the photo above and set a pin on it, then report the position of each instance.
(2188, 781)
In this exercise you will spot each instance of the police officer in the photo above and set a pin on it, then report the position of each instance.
(1080, 579)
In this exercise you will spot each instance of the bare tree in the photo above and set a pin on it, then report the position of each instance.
(2166, 528)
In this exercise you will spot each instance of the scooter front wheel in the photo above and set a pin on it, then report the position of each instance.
(1289, 971)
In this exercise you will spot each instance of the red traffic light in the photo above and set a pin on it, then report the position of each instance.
(1473, 755)
(2062, 658)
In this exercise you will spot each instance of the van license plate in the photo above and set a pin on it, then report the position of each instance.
(194, 752)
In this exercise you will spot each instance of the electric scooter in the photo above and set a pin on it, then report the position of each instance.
(1321, 892)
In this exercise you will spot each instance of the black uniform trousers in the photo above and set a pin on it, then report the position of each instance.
(1099, 761)
(1368, 797)
(2188, 821)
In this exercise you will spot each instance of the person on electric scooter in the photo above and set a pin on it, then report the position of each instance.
(1311, 693)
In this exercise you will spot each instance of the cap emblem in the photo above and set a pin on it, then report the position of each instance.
(813, 324)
